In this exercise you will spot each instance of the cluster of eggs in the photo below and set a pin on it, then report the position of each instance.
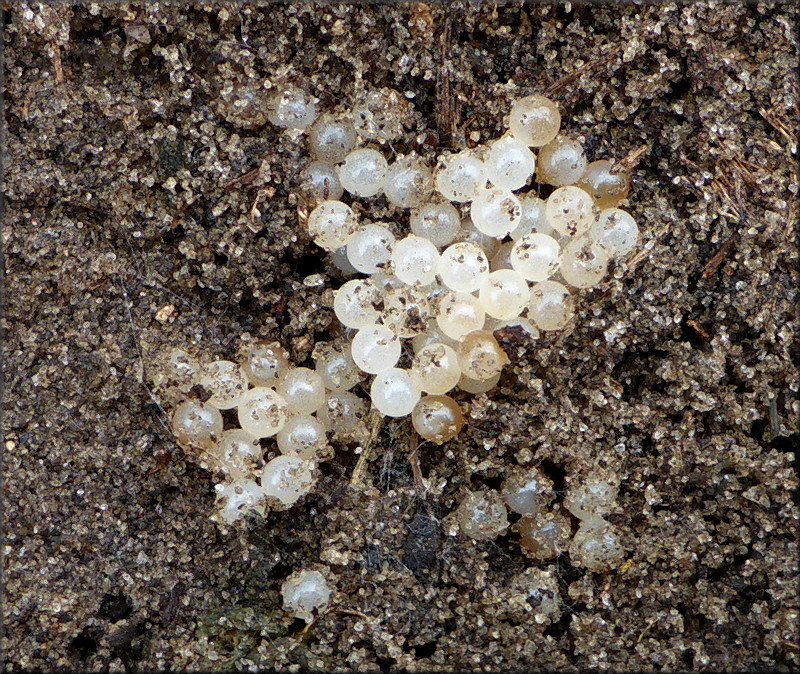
(483, 251)
(545, 532)
(296, 406)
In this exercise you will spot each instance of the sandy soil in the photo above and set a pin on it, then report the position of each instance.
(133, 184)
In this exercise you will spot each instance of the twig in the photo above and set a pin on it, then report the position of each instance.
(375, 421)
(586, 67)
(714, 263)
(632, 160)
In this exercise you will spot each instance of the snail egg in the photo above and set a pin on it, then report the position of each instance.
(302, 389)
(408, 182)
(509, 163)
(616, 231)
(532, 219)
(439, 223)
(504, 294)
(463, 267)
(495, 211)
(319, 182)
(536, 256)
(196, 424)
(354, 303)
(606, 187)
(303, 436)
(460, 176)
(437, 418)
(262, 412)
(551, 305)
(331, 139)
(370, 249)
(583, 263)
(286, 479)
(459, 314)
(265, 364)
(535, 120)
(375, 348)
(363, 172)
(305, 594)
(292, 108)
(393, 393)
(480, 356)
(415, 260)
(570, 211)
(226, 381)
(331, 224)
(561, 162)
(435, 369)
(335, 364)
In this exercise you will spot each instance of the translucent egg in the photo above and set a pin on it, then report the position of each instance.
(475, 386)
(616, 231)
(433, 335)
(596, 546)
(592, 498)
(265, 364)
(415, 260)
(370, 248)
(237, 453)
(375, 349)
(331, 224)
(561, 162)
(354, 303)
(262, 412)
(286, 479)
(459, 314)
(551, 306)
(237, 498)
(502, 258)
(605, 186)
(584, 263)
(504, 294)
(335, 364)
(536, 256)
(320, 182)
(437, 418)
(570, 211)
(406, 310)
(509, 163)
(338, 258)
(342, 413)
(408, 182)
(363, 172)
(305, 594)
(532, 597)
(435, 369)
(463, 267)
(469, 233)
(378, 114)
(544, 535)
(459, 176)
(181, 370)
(303, 436)
(331, 139)
(495, 211)
(535, 120)
(196, 424)
(393, 393)
(225, 381)
(533, 218)
(292, 108)
(527, 491)
(439, 223)
(482, 515)
(302, 389)
(480, 356)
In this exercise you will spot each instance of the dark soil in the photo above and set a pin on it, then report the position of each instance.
(132, 183)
